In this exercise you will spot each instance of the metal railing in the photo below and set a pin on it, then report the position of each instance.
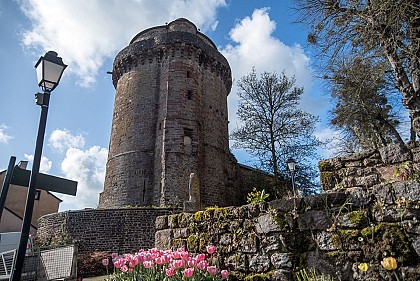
(48, 264)
(6, 259)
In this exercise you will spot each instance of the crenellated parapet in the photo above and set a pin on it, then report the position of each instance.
(160, 43)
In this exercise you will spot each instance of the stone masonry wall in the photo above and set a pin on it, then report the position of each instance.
(362, 171)
(369, 212)
(333, 233)
(110, 230)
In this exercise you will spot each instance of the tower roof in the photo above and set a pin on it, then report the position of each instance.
(180, 25)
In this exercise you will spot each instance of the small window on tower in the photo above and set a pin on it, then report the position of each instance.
(189, 94)
(188, 74)
(37, 194)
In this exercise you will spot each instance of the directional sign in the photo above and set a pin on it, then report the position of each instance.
(45, 182)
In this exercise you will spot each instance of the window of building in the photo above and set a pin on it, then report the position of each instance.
(37, 194)
(189, 94)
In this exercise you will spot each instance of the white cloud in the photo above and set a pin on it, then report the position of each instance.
(87, 167)
(45, 165)
(332, 139)
(254, 46)
(62, 140)
(4, 138)
(85, 33)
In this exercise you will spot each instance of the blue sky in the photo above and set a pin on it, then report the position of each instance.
(88, 34)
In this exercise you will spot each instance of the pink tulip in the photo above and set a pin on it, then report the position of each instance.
(188, 272)
(148, 264)
(170, 271)
(136, 260)
(114, 255)
(178, 264)
(124, 268)
(224, 273)
(201, 257)
(176, 255)
(105, 262)
(167, 257)
(212, 270)
(185, 255)
(202, 265)
(191, 262)
(160, 260)
(210, 249)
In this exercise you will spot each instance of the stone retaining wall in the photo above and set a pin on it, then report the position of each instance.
(333, 232)
(110, 230)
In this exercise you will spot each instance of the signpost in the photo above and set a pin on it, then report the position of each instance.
(18, 176)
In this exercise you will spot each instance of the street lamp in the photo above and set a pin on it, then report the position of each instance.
(49, 70)
(291, 163)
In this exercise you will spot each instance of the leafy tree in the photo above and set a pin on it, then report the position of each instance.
(371, 28)
(361, 107)
(274, 129)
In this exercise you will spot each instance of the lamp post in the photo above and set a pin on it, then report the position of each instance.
(291, 164)
(49, 70)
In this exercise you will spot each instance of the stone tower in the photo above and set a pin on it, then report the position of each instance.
(170, 120)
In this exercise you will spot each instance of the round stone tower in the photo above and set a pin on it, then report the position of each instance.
(170, 120)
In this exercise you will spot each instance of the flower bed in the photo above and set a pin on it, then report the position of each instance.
(155, 265)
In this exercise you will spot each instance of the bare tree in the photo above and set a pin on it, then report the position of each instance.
(274, 129)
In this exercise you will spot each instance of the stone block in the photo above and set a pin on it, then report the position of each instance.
(259, 263)
(266, 224)
(161, 222)
(181, 233)
(360, 196)
(408, 190)
(366, 181)
(282, 275)
(324, 241)
(416, 154)
(281, 260)
(394, 153)
(272, 243)
(313, 220)
(237, 262)
(163, 239)
(248, 243)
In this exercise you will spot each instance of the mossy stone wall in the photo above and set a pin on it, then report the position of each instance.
(333, 233)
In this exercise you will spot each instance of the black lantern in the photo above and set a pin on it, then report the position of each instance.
(49, 69)
(291, 163)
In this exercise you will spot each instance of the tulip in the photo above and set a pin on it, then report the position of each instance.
(188, 272)
(191, 262)
(363, 267)
(389, 263)
(148, 264)
(124, 268)
(212, 270)
(105, 262)
(170, 271)
(201, 257)
(185, 255)
(224, 273)
(210, 249)
(202, 265)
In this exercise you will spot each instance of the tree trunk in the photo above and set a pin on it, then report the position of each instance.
(410, 95)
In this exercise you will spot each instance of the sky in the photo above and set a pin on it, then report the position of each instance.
(88, 34)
